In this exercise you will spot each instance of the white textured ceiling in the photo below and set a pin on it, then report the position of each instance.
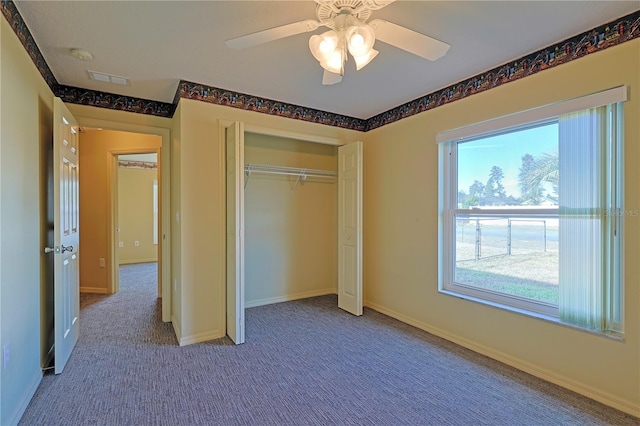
(157, 43)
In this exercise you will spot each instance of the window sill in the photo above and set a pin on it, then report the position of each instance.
(617, 336)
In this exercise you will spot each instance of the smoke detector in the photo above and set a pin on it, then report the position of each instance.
(81, 54)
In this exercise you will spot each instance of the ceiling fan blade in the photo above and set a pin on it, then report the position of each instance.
(271, 34)
(369, 4)
(330, 78)
(409, 40)
(377, 4)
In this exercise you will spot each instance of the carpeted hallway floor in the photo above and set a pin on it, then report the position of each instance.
(304, 363)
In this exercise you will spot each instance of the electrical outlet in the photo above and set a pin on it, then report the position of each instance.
(102, 262)
(136, 243)
(5, 356)
(120, 244)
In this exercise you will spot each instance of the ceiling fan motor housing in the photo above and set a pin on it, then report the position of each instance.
(348, 33)
(328, 11)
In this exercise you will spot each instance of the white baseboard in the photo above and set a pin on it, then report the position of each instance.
(200, 337)
(132, 261)
(590, 392)
(96, 290)
(176, 327)
(194, 338)
(26, 399)
(289, 297)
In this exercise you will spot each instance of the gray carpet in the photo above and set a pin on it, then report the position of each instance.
(304, 363)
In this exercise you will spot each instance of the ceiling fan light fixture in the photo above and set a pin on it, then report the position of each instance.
(363, 60)
(349, 34)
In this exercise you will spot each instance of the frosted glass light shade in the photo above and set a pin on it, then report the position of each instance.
(324, 45)
(360, 39)
(335, 62)
(330, 48)
(363, 60)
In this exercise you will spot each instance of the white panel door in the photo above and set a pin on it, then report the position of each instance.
(66, 234)
(350, 228)
(235, 231)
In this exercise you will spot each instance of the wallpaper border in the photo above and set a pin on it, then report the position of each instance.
(143, 165)
(214, 95)
(597, 39)
(76, 95)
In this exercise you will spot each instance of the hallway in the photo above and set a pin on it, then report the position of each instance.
(132, 315)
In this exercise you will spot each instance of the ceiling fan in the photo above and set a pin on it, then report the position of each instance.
(348, 33)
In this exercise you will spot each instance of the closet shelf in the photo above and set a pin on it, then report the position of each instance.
(302, 173)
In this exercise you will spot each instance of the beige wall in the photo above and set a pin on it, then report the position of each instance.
(135, 215)
(290, 236)
(400, 165)
(26, 120)
(97, 164)
(401, 234)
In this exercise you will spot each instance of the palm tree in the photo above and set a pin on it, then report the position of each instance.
(545, 169)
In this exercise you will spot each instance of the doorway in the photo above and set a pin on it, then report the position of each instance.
(137, 215)
(102, 144)
(349, 220)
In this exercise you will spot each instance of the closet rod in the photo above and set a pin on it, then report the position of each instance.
(302, 173)
(289, 171)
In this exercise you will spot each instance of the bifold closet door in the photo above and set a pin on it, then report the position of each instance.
(350, 228)
(234, 141)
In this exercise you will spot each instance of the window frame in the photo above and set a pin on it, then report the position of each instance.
(452, 213)
(448, 142)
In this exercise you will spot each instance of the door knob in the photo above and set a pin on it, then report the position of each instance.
(49, 250)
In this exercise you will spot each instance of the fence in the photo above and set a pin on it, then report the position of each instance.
(480, 238)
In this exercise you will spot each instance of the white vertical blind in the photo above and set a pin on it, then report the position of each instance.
(584, 220)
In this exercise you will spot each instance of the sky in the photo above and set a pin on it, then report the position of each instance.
(477, 157)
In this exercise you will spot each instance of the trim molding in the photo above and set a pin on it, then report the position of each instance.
(594, 40)
(194, 338)
(590, 392)
(308, 137)
(176, 328)
(215, 95)
(200, 337)
(16, 22)
(94, 290)
(134, 261)
(289, 297)
(76, 95)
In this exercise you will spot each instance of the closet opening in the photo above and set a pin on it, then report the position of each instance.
(290, 219)
(293, 220)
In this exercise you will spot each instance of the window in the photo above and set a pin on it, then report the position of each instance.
(531, 211)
